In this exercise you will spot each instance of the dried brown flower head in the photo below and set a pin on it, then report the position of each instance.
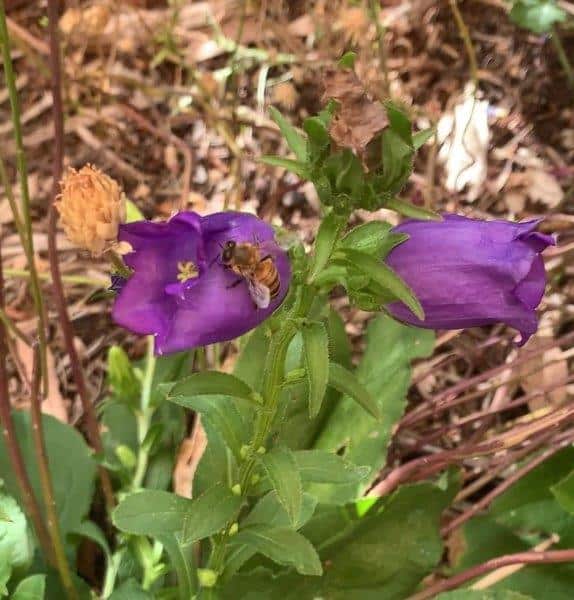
(358, 118)
(91, 207)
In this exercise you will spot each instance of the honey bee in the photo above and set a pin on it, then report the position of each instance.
(260, 272)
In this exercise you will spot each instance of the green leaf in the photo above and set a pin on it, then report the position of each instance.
(269, 512)
(468, 594)
(327, 236)
(367, 238)
(16, 541)
(131, 590)
(316, 352)
(31, 588)
(410, 210)
(345, 382)
(319, 466)
(530, 503)
(294, 139)
(386, 377)
(91, 531)
(483, 539)
(182, 564)
(71, 463)
(316, 129)
(121, 375)
(155, 513)
(281, 468)
(294, 166)
(283, 546)
(399, 123)
(420, 138)
(347, 61)
(133, 213)
(564, 492)
(538, 16)
(386, 278)
(209, 383)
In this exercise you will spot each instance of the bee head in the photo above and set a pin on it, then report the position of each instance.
(228, 250)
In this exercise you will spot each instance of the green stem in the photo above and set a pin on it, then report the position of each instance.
(23, 176)
(273, 377)
(112, 569)
(562, 57)
(144, 417)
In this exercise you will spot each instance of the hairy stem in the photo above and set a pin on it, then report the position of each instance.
(273, 376)
(59, 295)
(25, 218)
(62, 564)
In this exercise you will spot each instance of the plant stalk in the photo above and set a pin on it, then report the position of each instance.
(62, 564)
(144, 417)
(59, 295)
(25, 218)
(10, 439)
(273, 377)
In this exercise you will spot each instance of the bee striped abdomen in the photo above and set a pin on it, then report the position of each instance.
(268, 275)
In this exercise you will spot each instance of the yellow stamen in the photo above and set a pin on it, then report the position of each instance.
(186, 270)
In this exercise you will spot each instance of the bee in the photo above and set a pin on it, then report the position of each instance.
(260, 272)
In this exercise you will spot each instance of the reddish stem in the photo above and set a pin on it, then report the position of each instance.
(16, 460)
(59, 295)
(526, 558)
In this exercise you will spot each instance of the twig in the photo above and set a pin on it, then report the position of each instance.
(62, 564)
(59, 295)
(11, 441)
(23, 176)
(487, 499)
(446, 398)
(562, 56)
(527, 558)
(465, 35)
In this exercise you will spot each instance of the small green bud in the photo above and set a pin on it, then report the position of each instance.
(257, 397)
(255, 479)
(236, 489)
(244, 451)
(261, 450)
(126, 456)
(233, 529)
(207, 577)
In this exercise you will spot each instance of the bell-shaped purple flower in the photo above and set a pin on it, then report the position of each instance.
(469, 273)
(180, 290)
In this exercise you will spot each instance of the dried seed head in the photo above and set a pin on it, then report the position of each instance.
(91, 207)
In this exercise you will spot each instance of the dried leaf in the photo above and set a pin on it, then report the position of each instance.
(54, 404)
(358, 118)
(543, 187)
(188, 457)
(544, 370)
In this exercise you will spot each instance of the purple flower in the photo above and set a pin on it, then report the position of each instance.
(180, 290)
(469, 273)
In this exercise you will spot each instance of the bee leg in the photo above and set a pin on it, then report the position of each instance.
(234, 284)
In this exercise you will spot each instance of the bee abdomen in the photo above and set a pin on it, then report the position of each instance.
(269, 276)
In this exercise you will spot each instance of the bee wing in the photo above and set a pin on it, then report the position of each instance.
(259, 293)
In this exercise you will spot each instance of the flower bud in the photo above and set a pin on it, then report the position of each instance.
(91, 207)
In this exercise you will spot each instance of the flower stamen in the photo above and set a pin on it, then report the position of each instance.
(186, 271)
